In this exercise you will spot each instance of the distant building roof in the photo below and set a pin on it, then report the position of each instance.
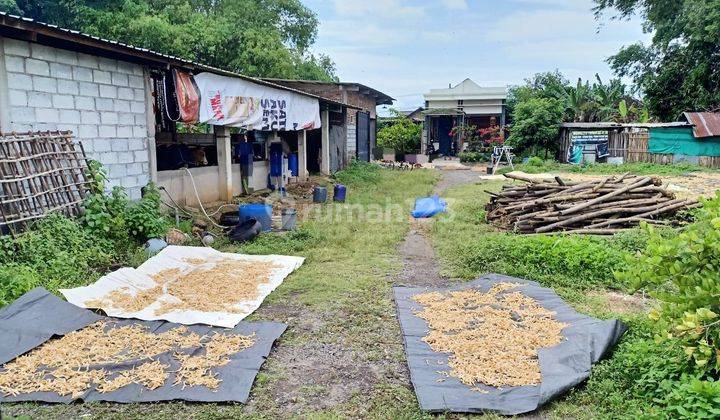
(380, 97)
(705, 124)
(27, 29)
(467, 90)
(614, 125)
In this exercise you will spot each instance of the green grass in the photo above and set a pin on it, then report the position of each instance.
(580, 269)
(640, 168)
(341, 298)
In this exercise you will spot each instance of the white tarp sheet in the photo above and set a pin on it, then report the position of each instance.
(236, 102)
(171, 257)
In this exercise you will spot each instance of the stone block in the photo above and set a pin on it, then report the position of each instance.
(136, 82)
(140, 131)
(119, 145)
(44, 84)
(61, 71)
(91, 132)
(107, 131)
(84, 103)
(107, 64)
(39, 100)
(137, 107)
(68, 87)
(22, 115)
(122, 106)
(125, 118)
(100, 76)
(37, 67)
(89, 89)
(140, 156)
(107, 91)
(19, 81)
(139, 94)
(86, 60)
(47, 115)
(17, 97)
(135, 144)
(125, 94)
(109, 118)
(13, 63)
(124, 131)
(65, 56)
(70, 116)
(42, 52)
(82, 74)
(104, 104)
(109, 158)
(119, 79)
(63, 101)
(15, 47)
(90, 117)
(125, 157)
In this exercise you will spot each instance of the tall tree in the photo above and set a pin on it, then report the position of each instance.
(264, 38)
(680, 69)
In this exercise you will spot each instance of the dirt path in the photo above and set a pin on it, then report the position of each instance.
(420, 264)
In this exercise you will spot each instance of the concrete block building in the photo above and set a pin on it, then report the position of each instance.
(105, 92)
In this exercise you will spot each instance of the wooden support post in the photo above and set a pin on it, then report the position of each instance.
(224, 154)
(325, 144)
(302, 156)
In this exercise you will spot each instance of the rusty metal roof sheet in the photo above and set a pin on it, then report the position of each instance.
(12, 26)
(705, 124)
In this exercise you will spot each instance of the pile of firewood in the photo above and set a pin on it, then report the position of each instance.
(598, 207)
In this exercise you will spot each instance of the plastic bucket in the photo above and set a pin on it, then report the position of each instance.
(260, 212)
(339, 193)
(319, 195)
(289, 219)
(293, 164)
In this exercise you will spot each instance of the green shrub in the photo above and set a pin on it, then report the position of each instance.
(535, 161)
(573, 261)
(55, 252)
(473, 157)
(401, 134)
(681, 270)
(358, 172)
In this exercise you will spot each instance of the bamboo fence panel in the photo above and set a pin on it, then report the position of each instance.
(40, 172)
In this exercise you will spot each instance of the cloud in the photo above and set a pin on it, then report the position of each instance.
(455, 4)
(378, 9)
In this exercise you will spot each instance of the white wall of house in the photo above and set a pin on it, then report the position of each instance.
(469, 97)
(103, 102)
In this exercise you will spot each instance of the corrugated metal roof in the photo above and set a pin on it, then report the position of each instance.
(384, 98)
(16, 23)
(705, 124)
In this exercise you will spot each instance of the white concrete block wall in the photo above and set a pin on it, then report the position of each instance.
(102, 101)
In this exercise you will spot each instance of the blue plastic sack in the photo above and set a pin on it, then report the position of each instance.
(428, 207)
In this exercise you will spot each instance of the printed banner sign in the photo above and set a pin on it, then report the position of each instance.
(235, 102)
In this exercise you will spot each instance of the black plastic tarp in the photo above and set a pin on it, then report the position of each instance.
(586, 340)
(39, 315)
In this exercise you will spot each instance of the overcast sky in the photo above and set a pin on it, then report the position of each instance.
(406, 47)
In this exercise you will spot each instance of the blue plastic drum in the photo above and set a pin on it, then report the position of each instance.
(339, 193)
(260, 212)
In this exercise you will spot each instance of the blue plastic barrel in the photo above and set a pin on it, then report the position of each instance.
(260, 212)
(293, 164)
(339, 193)
(319, 195)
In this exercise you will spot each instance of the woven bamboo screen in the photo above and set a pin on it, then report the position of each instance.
(40, 172)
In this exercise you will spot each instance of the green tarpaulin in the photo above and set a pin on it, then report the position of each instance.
(680, 141)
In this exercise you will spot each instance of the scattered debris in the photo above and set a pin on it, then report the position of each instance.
(602, 206)
(493, 338)
(176, 237)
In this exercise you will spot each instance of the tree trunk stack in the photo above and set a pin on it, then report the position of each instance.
(603, 206)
